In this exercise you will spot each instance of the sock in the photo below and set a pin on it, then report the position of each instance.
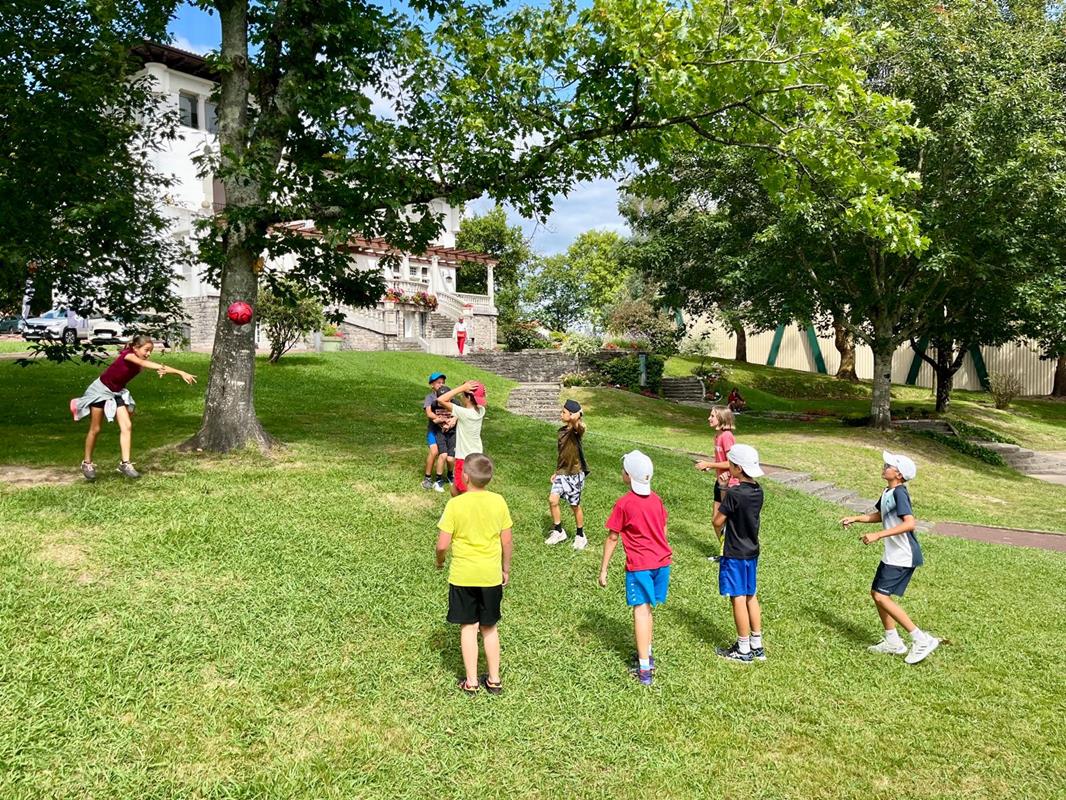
(744, 644)
(580, 532)
(918, 636)
(558, 526)
(427, 476)
(892, 636)
(645, 663)
(756, 640)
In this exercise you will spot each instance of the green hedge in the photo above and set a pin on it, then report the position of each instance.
(625, 372)
(966, 448)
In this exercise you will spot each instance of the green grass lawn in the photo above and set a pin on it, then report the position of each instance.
(13, 346)
(272, 626)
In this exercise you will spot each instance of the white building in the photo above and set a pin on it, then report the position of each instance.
(185, 82)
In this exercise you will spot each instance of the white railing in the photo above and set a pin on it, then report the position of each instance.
(480, 302)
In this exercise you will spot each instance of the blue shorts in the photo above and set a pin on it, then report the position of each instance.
(891, 580)
(431, 439)
(647, 586)
(736, 577)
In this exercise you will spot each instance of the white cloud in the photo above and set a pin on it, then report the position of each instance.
(590, 205)
(183, 43)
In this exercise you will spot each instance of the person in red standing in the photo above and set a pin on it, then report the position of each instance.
(721, 419)
(639, 518)
(460, 334)
(108, 398)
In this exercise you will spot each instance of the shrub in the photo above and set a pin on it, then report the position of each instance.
(967, 430)
(581, 344)
(1004, 388)
(618, 343)
(625, 372)
(967, 448)
(711, 373)
(287, 318)
(637, 319)
(523, 334)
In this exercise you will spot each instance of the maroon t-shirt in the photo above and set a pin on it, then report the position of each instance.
(120, 372)
(641, 520)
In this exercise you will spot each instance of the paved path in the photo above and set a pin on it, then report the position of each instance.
(1017, 538)
(1041, 465)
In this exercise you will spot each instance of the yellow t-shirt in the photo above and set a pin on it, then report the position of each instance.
(474, 520)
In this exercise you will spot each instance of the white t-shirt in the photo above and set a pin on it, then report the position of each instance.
(467, 429)
(460, 327)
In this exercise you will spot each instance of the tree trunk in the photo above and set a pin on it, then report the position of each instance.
(881, 399)
(1058, 388)
(229, 421)
(742, 342)
(845, 345)
(945, 380)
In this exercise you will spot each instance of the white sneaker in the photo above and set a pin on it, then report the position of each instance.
(896, 648)
(555, 537)
(438, 486)
(919, 650)
(580, 542)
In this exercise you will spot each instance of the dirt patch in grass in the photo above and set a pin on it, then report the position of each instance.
(398, 501)
(67, 552)
(28, 477)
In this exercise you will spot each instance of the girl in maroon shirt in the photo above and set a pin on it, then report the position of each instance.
(110, 388)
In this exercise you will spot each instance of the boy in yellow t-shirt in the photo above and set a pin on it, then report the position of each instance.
(476, 526)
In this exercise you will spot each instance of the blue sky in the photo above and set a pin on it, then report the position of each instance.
(592, 204)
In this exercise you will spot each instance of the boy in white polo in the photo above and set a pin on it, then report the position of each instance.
(901, 557)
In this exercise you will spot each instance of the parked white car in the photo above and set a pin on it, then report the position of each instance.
(61, 324)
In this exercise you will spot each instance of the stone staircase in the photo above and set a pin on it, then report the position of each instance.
(536, 400)
(920, 425)
(401, 345)
(683, 390)
(526, 366)
(440, 325)
(1050, 467)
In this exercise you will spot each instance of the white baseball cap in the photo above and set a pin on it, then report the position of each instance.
(639, 468)
(747, 458)
(905, 466)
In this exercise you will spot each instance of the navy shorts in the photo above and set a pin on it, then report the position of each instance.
(647, 586)
(446, 442)
(736, 577)
(891, 580)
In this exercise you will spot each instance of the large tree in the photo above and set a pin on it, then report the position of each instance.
(985, 83)
(519, 103)
(76, 135)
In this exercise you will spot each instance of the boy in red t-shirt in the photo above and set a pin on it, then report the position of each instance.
(639, 517)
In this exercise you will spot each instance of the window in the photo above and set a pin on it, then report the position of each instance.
(211, 112)
(187, 110)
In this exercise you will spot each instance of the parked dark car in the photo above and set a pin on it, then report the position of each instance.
(10, 325)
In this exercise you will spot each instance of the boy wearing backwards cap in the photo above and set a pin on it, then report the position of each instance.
(639, 517)
(902, 555)
(440, 434)
(469, 413)
(738, 518)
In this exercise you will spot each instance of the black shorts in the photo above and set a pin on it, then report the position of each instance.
(474, 604)
(119, 403)
(891, 580)
(446, 442)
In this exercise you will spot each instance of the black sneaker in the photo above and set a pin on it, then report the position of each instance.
(758, 653)
(733, 654)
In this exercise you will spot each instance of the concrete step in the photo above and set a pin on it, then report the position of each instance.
(999, 447)
(836, 495)
(858, 505)
(788, 476)
(810, 487)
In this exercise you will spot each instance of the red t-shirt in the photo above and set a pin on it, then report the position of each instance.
(722, 442)
(120, 372)
(641, 520)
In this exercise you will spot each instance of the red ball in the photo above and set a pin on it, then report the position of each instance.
(240, 313)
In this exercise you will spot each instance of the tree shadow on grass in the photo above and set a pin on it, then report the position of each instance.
(838, 624)
(615, 635)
